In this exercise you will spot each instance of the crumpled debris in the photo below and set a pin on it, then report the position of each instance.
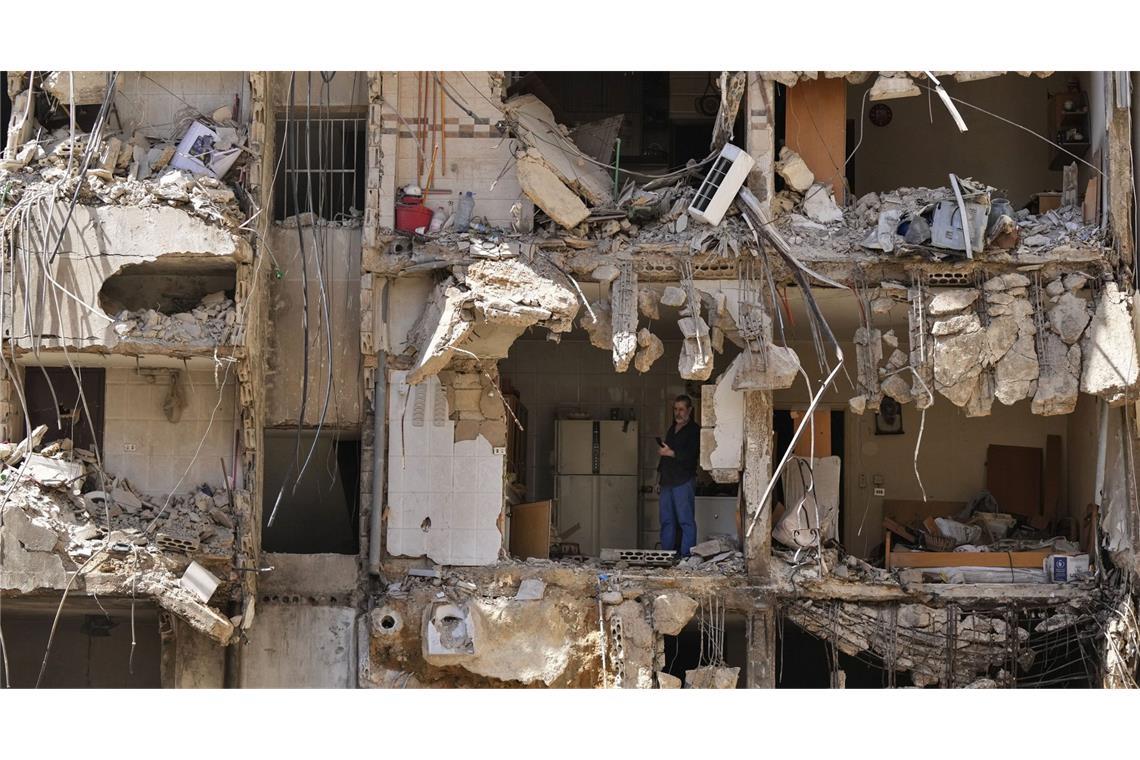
(124, 171)
(209, 323)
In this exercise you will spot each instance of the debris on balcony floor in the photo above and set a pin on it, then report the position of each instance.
(921, 221)
(63, 516)
(185, 171)
(209, 324)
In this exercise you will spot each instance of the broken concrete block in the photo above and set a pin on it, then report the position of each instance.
(712, 547)
(32, 536)
(51, 473)
(606, 273)
(886, 88)
(647, 303)
(956, 324)
(1110, 361)
(599, 326)
(1000, 335)
(1069, 317)
(882, 305)
(611, 597)
(957, 365)
(819, 205)
(81, 88)
(549, 193)
(949, 301)
(693, 327)
(1017, 371)
(696, 361)
(857, 404)
(672, 610)
(1059, 383)
(772, 368)
(651, 349)
(898, 388)
(712, 678)
(530, 589)
(673, 296)
(666, 681)
(1055, 288)
(1074, 281)
(795, 172)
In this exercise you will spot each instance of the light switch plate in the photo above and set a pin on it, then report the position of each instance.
(499, 450)
(130, 447)
(880, 492)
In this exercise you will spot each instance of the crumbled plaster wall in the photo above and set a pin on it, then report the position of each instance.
(142, 445)
(98, 242)
(476, 152)
(285, 350)
(445, 496)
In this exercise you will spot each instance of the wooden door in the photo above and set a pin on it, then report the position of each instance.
(1013, 476)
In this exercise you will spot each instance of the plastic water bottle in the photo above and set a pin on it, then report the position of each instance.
(465, 210)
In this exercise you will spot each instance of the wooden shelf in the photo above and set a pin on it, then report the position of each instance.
(1031, 559)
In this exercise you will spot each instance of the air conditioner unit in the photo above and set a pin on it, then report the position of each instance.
(715, 195)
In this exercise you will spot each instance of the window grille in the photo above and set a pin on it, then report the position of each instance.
(322, 167)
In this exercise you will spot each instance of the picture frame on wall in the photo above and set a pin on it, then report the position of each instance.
(888, 420)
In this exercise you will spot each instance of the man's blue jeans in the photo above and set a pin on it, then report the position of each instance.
(677, 506)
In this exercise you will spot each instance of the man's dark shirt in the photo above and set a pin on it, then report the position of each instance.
(682, 466)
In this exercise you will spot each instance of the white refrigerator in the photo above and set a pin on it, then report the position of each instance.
(596, 483)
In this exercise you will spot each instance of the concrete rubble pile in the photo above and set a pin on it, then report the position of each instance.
(210, 323)
(126, 169)
(63, 516)
(1011, 339)
(914, 638)
(899, 222)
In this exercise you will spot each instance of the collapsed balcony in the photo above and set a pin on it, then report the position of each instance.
(118, 490)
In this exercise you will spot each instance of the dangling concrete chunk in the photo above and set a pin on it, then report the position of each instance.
(1110, 362)
(673, 296)
(1070, 317)
(651, 349)
(549, 193)
(1059, 383)
(949, 301)
(795, 172)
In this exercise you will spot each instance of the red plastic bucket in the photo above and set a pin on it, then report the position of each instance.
(411, 215)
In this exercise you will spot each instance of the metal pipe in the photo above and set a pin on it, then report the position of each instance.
(379, 405)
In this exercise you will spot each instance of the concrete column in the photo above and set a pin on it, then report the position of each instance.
(761, 666)
(757, 471)
(1120, 167)
(760, 100)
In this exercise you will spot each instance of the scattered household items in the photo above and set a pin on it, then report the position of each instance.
(411, 213)
(207, 150)
(937, 538)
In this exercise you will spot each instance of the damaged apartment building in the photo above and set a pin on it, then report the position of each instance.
(354, 379)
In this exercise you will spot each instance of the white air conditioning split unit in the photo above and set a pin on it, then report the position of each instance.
(724, 180)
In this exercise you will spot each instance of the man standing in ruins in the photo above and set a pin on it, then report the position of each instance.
(677, 472)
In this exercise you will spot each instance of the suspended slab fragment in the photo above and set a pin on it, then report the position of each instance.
(1110, 369)
(549, 193)
(537, 128)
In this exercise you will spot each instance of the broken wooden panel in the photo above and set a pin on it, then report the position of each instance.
(530, 529)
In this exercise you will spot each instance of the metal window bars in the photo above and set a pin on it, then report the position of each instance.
(322, 168)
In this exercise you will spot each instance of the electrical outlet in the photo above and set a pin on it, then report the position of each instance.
(130, 447)
(880, 492)
(499, 450)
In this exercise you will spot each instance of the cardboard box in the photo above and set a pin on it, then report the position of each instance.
(1048, 202)
(1063, 568)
